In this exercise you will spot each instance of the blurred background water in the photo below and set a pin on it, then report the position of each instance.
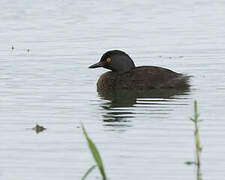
(45, 79)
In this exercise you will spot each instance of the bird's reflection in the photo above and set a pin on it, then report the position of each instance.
(123, 105)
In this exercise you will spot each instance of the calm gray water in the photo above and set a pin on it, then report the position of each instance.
(138, 137)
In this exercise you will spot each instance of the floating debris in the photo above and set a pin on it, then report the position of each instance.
(38, 128)
(171, 57)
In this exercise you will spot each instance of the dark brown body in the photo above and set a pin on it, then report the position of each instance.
(143, 77)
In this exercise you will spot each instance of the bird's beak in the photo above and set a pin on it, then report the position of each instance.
(98, 64)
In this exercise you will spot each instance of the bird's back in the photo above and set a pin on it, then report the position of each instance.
(143, 77)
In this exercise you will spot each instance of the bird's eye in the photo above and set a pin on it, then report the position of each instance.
(108, 59)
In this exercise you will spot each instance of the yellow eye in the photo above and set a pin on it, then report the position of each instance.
(108, 59)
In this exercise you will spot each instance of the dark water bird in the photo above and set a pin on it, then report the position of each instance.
(124, 74)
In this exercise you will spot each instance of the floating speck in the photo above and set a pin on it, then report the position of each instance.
(38, 128)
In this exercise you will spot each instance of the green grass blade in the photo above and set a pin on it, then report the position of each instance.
(95, 153)
(88, 172)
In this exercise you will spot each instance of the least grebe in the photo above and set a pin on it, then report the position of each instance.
(124, 74)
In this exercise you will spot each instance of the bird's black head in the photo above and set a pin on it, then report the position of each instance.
(115, 60)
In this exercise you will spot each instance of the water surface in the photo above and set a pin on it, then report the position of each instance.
(145, 137)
